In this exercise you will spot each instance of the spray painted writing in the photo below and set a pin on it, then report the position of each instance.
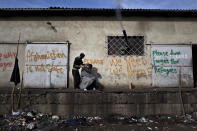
(5, 60)
(158, 59)
(165, 70)
(169, 58)
(165, 61)
(165, 53)
(93, 61)
(115, 66)
(7, 55)
(35, 56)
(44, 68)
(134, 66)
(137, 66)
(4, 65)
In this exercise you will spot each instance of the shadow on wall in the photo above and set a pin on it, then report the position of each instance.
(94, 73)
(98, 76)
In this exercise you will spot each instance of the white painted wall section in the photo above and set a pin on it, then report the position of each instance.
(46, 65)
(172, 66)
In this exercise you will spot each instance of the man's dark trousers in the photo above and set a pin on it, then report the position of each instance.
(76, 78)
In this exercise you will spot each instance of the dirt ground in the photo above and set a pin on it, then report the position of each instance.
(131, 127)
(24, 121)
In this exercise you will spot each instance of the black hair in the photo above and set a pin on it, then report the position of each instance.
(82, 55)
(90, 66)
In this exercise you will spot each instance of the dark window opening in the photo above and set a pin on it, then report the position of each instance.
(117, 45)
(194, 57)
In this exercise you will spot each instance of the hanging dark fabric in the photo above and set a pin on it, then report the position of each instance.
(15, 77)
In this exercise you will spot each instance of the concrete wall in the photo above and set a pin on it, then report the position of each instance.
(111, 102)
(88, 35)
(7, 57)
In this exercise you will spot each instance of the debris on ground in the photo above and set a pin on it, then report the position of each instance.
(32, 120)
(55, 118)
(44, 121)
(143, 120)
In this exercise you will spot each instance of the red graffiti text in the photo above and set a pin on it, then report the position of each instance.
(4, 65)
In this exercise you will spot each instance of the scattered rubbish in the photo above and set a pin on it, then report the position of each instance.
(23, 123)
(134, 120)
(97, 118)
(151, 121)
(188, 116)
(72, 122)
(45, 121)
(193, 127)
(194, 113)
(30, 114)
(101, 124)
(56, 118)
(120, 118)
(15, 113)
(185, 120)
(30, 126)
(143, 120)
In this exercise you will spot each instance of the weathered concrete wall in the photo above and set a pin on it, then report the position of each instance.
(46, 65)
(7, 59)
(111, 102)
(172, 66)
(88, 35)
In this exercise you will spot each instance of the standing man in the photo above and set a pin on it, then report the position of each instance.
(78, 63)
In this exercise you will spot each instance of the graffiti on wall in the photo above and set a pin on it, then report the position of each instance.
(134, 66)
(34, 57)
(44, 68)
(6, 60)
(138, 66)
(172, 65)
(116, 66)
(46, 65)
(168, 57)
(93, 61)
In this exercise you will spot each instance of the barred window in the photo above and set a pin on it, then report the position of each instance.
(117, 45)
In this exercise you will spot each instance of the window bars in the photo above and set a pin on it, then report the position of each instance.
(117, 45)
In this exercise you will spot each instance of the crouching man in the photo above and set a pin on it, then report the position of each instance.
(88, 80)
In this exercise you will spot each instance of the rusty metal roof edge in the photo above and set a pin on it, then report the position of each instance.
(57, 11)
(99, 9)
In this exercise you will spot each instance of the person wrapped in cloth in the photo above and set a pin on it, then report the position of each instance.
(88, 79)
